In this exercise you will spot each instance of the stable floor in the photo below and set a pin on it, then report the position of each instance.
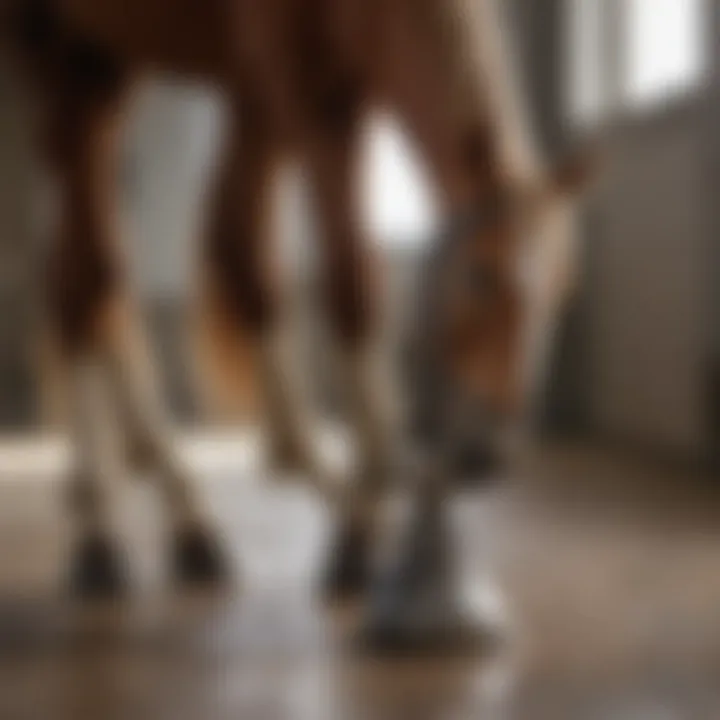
(610, 572)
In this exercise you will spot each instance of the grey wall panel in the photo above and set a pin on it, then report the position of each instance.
(648, 294)
(20, 288)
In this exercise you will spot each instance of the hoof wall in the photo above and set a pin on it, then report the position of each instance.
(455, 639)
(98, 571)
(475, 468)
(198, 559)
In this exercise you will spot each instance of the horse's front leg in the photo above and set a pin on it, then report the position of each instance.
(415, 603)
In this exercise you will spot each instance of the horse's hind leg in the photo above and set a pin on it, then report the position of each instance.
(350, 296)
(239, 259)
(197, 556)
(83, 277)
(95, 331)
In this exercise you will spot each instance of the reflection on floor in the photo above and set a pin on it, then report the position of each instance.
(611, 571)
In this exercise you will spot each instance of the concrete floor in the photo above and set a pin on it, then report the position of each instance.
(610, 570)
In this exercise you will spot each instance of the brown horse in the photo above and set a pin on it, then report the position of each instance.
(298, 78)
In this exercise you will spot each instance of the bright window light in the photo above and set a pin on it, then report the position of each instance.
(665, 48)
(398, 202)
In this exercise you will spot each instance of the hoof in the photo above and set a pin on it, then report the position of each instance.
(98, 570)
(348, 572)
(456, 637)
(475, 468)
(198, 558)
(414, 606)
(477, 482)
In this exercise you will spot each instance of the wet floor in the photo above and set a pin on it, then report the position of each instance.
(610, 572)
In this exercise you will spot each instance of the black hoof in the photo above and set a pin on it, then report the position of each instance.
(475, 467)
(98, 570)
(198, 558)
(348, 572)
(456, 638)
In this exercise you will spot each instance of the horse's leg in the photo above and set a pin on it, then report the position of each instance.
(416, 603)
(197, 556)
(100, 336)
(84, 275)
(239, 257)
(413, 601)
(97, 567)
(350, 295)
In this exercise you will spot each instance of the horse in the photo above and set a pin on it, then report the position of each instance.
(298, 78)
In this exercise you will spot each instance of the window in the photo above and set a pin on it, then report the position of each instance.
(665, 48)
(633, 54)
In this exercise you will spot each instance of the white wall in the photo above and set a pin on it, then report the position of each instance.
(649, 293)
(21, 289)
(170, 151)
(172, 141)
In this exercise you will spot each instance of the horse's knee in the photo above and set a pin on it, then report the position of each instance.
(241, 285)
(80, 285)
(350, 312)
(350, 298)
(236, 241)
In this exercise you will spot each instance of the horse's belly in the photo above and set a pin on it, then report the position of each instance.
(179, 35)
